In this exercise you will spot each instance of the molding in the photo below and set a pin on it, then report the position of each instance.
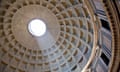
(94, 19)
(115, 30)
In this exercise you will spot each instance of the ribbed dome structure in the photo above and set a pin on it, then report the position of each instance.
(66, 46)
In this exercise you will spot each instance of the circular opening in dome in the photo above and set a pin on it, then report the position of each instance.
(37, 27)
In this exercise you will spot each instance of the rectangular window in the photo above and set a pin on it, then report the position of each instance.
(105, 24)
(105, 59)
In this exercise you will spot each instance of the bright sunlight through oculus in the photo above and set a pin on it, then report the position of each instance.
(37, 27)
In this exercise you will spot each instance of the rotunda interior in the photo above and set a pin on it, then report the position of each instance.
(59, 35)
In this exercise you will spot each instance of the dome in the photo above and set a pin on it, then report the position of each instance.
(56, 36)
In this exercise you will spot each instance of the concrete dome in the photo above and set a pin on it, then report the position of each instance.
(72, 41)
